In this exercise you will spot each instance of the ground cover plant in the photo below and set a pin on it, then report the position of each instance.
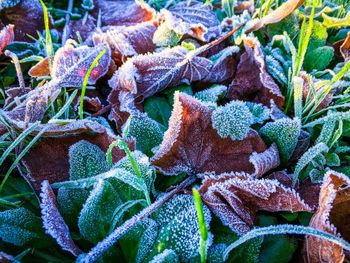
(174, 131)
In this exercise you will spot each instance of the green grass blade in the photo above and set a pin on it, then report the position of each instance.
(48, 40)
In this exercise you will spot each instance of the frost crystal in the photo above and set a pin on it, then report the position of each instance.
(179, 228)
(86, 160)
(260, 112)
(212, 94)
(232, 120)
(165, 36)
(167, 256)
(285, 133)
(147, 132)
(8, 3)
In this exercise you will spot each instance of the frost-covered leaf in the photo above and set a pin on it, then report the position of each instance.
(276, 15)
(236, 199)
(147, 132)
(6, 37)
(212, 94)
(345, 47)
(252, 82)
(103, 200)
(138, 242)
(53, 221)
(123, 13)
(332, 216)
(27, 18)
(232, 120)
(165, 36)
(21, 227)
(259, 111)
(127, 41)
(285, 133)
(6, 258)
(179, 229)
(85, 160)
(192, 145)
(167, 256)
(193, 19)
(53, 149)
(265, 161)
(8, 3)
(329, 21)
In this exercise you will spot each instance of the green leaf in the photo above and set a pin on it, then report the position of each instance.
(259, 111)
(96, 216)
(181, 88)
(212, 94)
(288, 25)
(166, 37)
(147, 132)
(285, 133)
(158, 109)
(277, 249)
(332, 159)
(179, 229)
(330, 22)
(167, 256)
(319, 58)
(247, 253)
(22, 228)
(86, 160)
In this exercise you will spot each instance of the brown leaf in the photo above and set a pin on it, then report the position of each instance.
(192, 18)
(127, 41)
(345, 48)
(53, 148)
(332, 216)
(252, 81)
(14, 92)
(6, 37)
(123, 12)
(192, 145)
(40, 69)
(85, 27)
(53, 221)
(235, 199)
(276, 15)
(27, 17)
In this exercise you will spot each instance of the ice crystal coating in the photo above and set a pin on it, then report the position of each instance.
(6, 36)
(103, 200)
(232, 120)
(21, 227)
(179, 229)
(167, 256)
(212, 94)
(165, 36)
(285, 133)
(260, 112)
(53, 222)
(265, 161)
(147, 132)
(86, 160)
(8, 3)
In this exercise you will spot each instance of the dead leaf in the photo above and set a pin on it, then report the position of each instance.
(252, 82)
(332, 216)
(345, 48)
(85, 27)
(192, 145)
(276, 15)
(6, 37)
(52, 150)
(53, 221)
(193, 19)
(123, 13)
(235, 199)
(40, 69)
(127, 41)
(27, 18)
(13, 93)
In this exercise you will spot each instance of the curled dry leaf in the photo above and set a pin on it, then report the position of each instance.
(123, 13)
(276, 15)
(27, 18)
(192, 145)
(193, 19)
(127, 41)
(235, 199)
(53, 149)
(69, 70)
(345, 47)
(252, 82)
(6, 37)
(53, 221)
(40, 69)
(332, 216)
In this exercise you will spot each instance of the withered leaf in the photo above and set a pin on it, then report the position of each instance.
(40, 69)
(53, 149)
(192, 18)
(127, 41)
(276, 15)
(332, 216)
(27, 18)
(6, 37)
(123, 13)
(252, 82)
(235, 199)
(69, 70)
(345, 48)
(192, 145)
(53, 221)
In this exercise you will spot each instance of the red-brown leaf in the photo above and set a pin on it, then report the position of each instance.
(332, 216)
(235, 199)
(252, 82)
(53, 221)
(192, 145)
(6, 37)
